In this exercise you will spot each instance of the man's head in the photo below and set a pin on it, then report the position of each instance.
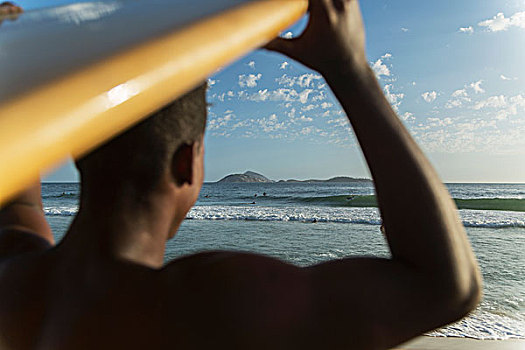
(164, 148)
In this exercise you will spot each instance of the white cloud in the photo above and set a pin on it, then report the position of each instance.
(437, 122)
(408, 117)
(216, 123)
(459, 97)
(380, 68)
(287, 35)
(251, 64)
(249, 80)
(211, 82)
(291, 113)
(501, 23)
(308, 108)
(394, 99)
(477, 87)
(404, 30)
(454, 103)
(284, 65)
(304, 80)
(510, 106)
(467, 30)
(288, 95)
(303, 96)
(305, 119)
(326, 105)
(429, 96)
(306, 131)
(386, 56)
(460, 93)
(321, 96)
(270, 124)
(503, 77)
(492, 102)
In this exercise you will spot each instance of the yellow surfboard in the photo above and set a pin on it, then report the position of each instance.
(72, 77)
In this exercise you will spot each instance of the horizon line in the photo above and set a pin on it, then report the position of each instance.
(445, 182)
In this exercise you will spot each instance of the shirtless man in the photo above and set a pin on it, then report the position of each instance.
(105, 285)
(8, 10)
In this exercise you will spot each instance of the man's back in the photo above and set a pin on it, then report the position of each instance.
(64, 299)
(57, 300)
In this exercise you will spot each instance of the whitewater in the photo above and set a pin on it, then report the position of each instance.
(308, 223)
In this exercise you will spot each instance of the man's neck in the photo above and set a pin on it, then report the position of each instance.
(123, 231)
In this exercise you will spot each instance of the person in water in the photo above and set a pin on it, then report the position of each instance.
(106, 285)
(9, 10)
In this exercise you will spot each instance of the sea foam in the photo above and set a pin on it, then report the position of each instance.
(370, 216)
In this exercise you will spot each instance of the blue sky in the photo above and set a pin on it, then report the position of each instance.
(452, 69)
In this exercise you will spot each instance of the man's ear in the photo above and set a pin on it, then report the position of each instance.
(182, 165)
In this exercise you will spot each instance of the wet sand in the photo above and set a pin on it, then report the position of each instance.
(438, 343)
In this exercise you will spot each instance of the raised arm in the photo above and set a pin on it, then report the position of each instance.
(23, 226)
(433, 277)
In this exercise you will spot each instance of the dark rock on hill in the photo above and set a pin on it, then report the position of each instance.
(248, 176)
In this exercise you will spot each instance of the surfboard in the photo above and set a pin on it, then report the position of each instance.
(72, 77)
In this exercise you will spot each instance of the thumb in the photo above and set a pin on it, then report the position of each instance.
(284, 46)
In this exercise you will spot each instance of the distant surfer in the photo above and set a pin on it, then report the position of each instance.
(264, 194)
(255, 195)
(106, 285)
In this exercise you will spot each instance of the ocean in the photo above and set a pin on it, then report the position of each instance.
(307, 223)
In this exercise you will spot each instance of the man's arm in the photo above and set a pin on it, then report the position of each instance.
(433, 277)
(23, 226)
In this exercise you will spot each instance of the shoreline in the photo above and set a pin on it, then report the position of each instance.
(453, 343)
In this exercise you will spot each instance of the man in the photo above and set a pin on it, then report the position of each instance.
(105, 286)
(8, 10)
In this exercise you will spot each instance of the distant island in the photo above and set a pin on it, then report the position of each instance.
(338, 179)
(253, 177)
(248, 176)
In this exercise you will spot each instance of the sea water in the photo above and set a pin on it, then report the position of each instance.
(308, 223)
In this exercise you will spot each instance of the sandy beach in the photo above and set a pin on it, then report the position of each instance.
(440, 343)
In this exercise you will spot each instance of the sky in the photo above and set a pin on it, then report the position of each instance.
(453, 71)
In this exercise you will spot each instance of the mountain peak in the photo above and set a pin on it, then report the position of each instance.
(248, 176)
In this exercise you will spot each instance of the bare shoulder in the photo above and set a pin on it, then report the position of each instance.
(350, 303)
(234, 271)
(18, 240)
(252, 300)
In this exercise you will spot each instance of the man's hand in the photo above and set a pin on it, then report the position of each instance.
(8, 8)
(23, 226)
(333, 40)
